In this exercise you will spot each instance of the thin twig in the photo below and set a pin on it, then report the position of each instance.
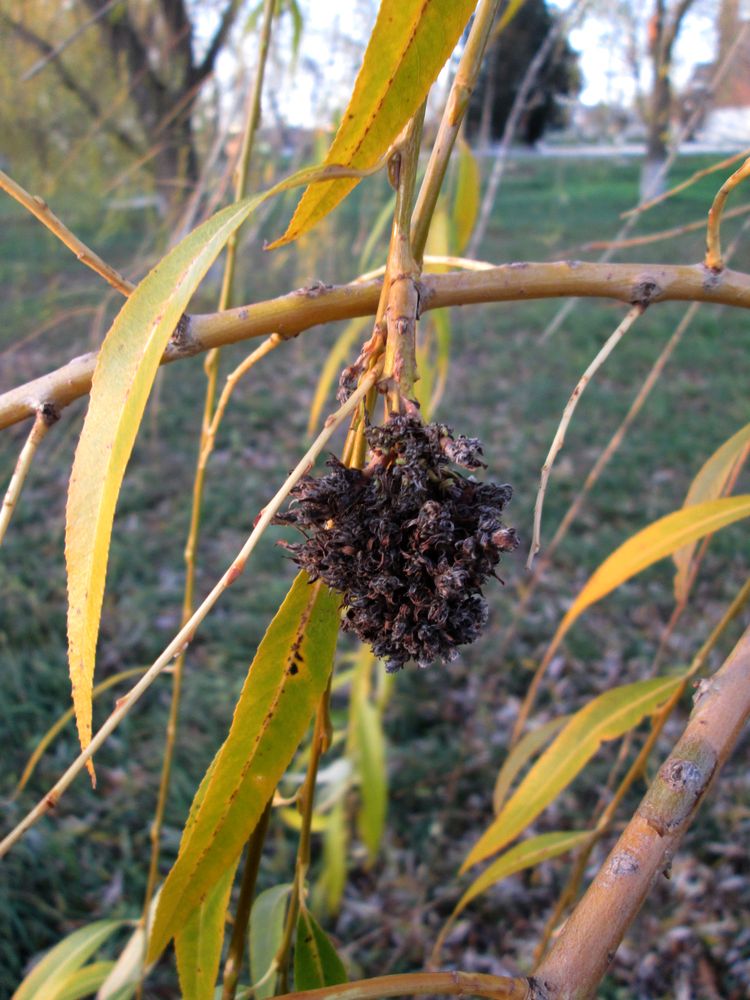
(186, 634)
(462, 984)
(713, 258)
(450, 124)
(40, 210)
(684, 185)
(308, 307)
(663, 234)
(62, 46)
(233, 964)
(605, 456)
(651, 837)
(559, 439)
(44, 420)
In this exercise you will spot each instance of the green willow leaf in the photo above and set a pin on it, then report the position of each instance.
(329, 889)
(284, 685)
(266, 933)
(709, 484)
(81, 983)
(605, 718)
(520, 754)
(68, 956)
(408, 47)
(524, 855)
(373, 778)
(316, 963)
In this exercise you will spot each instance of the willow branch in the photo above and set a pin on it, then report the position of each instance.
(186, 634)
(40, 210)
(304, 308)
(590, 937)
(462, 984)
(450, 124)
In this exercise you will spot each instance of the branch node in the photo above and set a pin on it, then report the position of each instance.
(645, 292)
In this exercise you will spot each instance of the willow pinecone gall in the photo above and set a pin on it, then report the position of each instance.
(408, 541)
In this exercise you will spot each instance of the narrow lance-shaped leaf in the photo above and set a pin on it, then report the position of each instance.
(125, 371)
(79, 984)
(408, 47)
(520, 754)
(373, 776)
(466, 201)
(657, 541)
(266, 933)
(527, 854)
(605, 718)
(284, 685)
(710, 482)
(66, 957)
(316, 963)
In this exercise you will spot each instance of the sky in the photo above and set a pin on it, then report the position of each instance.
(335, 34)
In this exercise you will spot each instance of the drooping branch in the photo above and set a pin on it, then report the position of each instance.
(304, 308)
(589, 939)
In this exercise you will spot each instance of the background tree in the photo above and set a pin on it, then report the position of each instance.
(505, 67)
(148, 65)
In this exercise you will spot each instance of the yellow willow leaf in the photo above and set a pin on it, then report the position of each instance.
(466, 202)
(125, 371)
(49, 974)
(605, 718)
(657, 541)
(284, 685)
(525, 855)
(408, 47)
(520, 754)
(710, 483)
(371, 758)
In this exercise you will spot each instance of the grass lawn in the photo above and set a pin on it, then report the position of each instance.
(447, 727)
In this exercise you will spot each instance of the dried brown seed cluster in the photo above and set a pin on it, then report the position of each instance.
(408, 541)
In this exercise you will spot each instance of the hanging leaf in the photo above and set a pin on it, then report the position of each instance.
(284, 685)
(49, 975)
(128, 971)
(657, 541)
(605, 718)
(373, 785)
(266, 933)
(408, 47)
(466, 201)
(329, 889)
(316, 963)
(527, 854)
(125, 370)
(709, 484)
(81, 983)
(529, 744)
